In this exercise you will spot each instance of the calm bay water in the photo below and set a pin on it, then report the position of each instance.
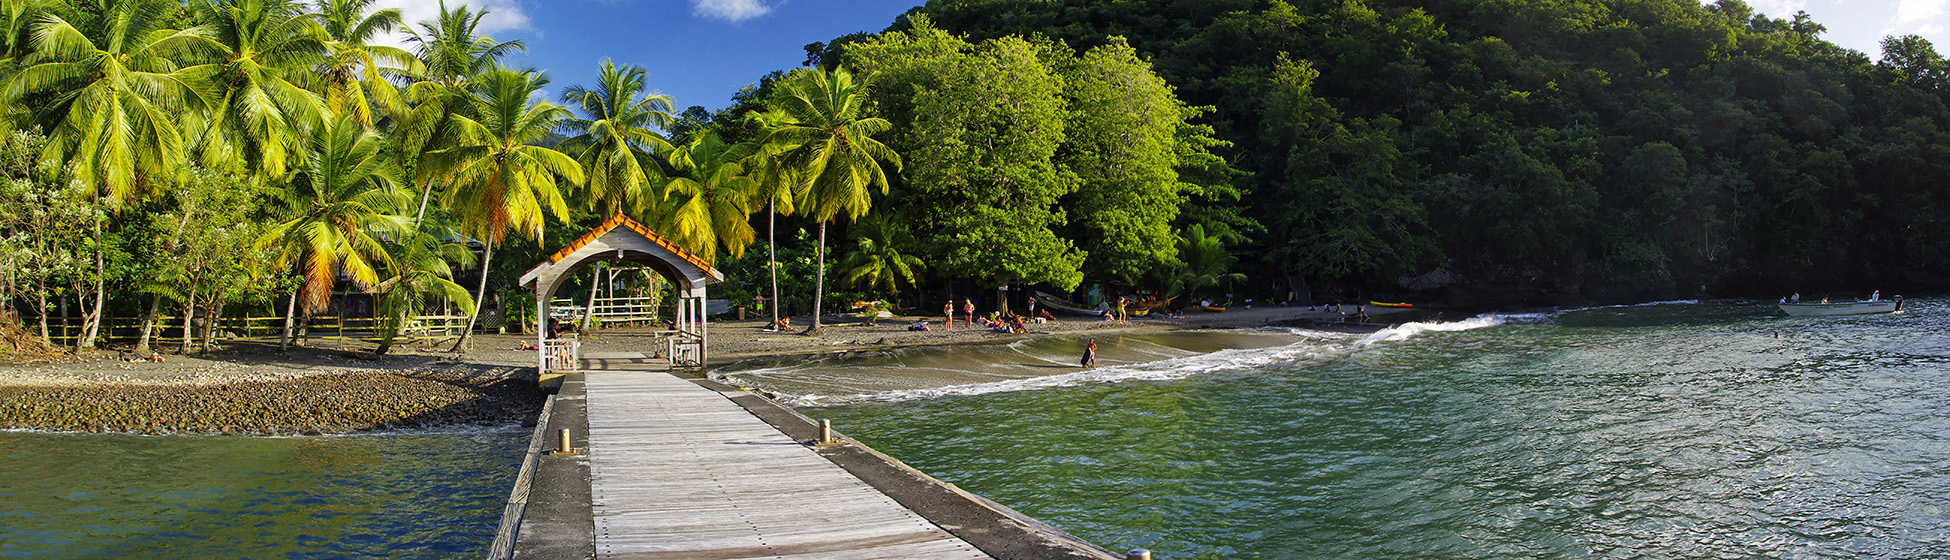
(1662, 431)
(407, 495)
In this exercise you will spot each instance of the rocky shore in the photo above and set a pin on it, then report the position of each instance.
(335, 403)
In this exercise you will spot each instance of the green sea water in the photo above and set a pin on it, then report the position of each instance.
(400, 495)
(1680, 430)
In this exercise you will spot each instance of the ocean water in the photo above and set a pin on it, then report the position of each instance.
(1673, 430)
(400, 495)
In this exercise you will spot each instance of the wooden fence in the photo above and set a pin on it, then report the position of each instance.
(64, 330)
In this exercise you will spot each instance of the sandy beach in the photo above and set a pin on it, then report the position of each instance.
(69, 392)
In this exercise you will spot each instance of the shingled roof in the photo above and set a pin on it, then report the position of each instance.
(620, 221)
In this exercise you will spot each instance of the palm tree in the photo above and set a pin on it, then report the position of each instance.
(614, 144)
(116, 95)
(1206, 262)
(263, 118)
(419, 271)
(452, 57)
(502, 182)
(335, 209)
(352, 78)
(776, 185)
(829, 147)
(710, 199)
(877, 260)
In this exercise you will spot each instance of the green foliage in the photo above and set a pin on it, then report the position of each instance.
(980, 127)
(1599, 147)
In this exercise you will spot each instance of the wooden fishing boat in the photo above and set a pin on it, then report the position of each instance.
(1213, 308)
(1066, 306)
(1139, 312)
(1865, 307)
(1386, 304)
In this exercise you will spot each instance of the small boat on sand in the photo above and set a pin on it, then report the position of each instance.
(1064, 305)
(1864, 307)
(1386, 304)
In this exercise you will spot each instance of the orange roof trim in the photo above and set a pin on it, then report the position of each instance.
(620, 220)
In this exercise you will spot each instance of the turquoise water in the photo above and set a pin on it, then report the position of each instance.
(1663, 431)
(407, 495)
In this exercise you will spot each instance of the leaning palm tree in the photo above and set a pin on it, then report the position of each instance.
(335, 208)
(615, 143)
(263, 117)
(354, 75)
(710, 199)
(500, 180)
(877, 259)
(828, 144)
(452, 56)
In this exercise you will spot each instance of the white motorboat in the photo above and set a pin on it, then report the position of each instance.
(1844, 308)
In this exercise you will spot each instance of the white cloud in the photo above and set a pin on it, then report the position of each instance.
(1777, 9)
(1913, 10)
(729, 10)
(502, 16)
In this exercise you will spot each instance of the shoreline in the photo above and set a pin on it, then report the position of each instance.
(253, 389)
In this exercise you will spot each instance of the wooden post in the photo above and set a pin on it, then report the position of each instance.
(1138, 554)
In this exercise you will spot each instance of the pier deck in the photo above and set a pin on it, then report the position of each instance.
(680, 471)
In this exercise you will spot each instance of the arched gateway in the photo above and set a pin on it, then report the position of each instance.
(623, 239)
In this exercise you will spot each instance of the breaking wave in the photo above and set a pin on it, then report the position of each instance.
(1314, 346)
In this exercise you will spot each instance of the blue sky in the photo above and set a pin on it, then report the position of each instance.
(699, 52)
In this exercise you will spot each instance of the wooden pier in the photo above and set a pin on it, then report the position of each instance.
(680, 471)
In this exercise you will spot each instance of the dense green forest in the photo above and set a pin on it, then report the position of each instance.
(1543, 151)
(208, 158)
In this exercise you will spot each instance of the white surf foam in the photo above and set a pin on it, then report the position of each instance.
(1407, 331)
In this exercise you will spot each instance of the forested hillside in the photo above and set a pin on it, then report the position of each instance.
(1517, 150)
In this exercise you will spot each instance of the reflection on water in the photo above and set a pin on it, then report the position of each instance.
(418, 495)
(1672, 431)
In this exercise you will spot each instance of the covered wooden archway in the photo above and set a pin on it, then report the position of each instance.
(623, 239)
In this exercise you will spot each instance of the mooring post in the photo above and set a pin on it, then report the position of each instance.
(825, 432)
(563, 440)
(1138, 554)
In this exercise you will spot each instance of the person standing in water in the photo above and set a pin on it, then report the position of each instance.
(1090, 354)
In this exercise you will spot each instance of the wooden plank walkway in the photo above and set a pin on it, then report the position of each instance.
(678, 471)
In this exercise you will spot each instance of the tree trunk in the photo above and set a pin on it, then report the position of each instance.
(771, 257)
(819, 282)
(422, 212)
(41, 295)
(148, 326)
(92, 323)
(290, 317)
(215, 305)
(589, 310)
(189, 312)
(480, 299)
(149, 319)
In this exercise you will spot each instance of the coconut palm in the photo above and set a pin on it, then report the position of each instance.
(710, 198)
(776, 187)
(1206, 262)
(451, 57)
(335, 208)
(354, 75)
(615, 143)
(116, 93)
(828, 146)
(877, 260)
(500, 181)
(419, 272)
(263, 117)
